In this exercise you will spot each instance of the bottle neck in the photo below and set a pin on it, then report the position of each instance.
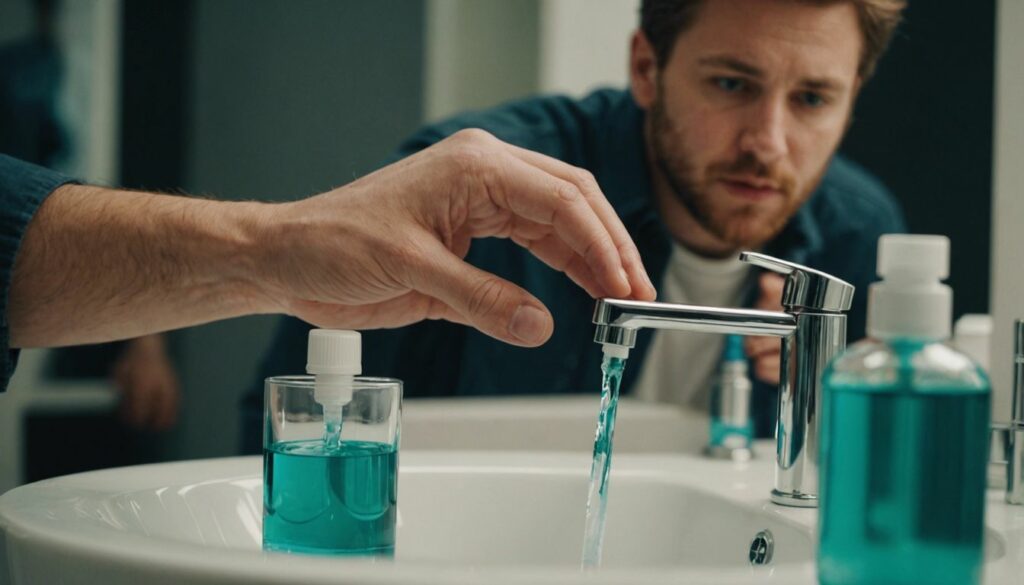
(910, 310)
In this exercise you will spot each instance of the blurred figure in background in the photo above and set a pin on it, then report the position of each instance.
(31, 129)
(144, 374)
(30, 76)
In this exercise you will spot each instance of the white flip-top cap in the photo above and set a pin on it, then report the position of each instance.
(911, 301)
(334, 356)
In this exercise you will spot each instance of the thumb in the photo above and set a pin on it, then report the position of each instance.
(493, 305)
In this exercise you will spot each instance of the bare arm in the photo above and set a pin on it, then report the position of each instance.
(384, 251)
(99, 264)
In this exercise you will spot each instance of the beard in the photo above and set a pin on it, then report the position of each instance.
(735, 222)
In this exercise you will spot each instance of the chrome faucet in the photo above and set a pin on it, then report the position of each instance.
(1015, 463)
(813, 330)
(1008, 437)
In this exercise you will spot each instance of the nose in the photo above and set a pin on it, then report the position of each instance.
(764, 135)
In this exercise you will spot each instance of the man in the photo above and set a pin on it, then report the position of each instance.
(725, 142)
(83, 264)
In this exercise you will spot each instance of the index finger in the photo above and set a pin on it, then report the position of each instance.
(536, 195)
(640, 282)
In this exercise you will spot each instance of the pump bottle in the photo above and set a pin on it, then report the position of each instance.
(904, 426)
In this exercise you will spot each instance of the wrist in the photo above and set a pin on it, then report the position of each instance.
(300, 245)
(251, 265)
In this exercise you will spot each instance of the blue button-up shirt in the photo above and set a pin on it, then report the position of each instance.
(23, 188)
(835, 231)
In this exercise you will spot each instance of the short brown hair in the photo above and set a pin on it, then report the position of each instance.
(663, 20)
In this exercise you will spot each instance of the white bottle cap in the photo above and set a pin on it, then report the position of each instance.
(972, 334)
(910, 300)
(334, 356)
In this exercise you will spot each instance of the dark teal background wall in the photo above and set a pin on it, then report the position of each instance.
(924, 125)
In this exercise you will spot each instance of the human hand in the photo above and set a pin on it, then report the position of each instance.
(766, 352)
(145, 378)
(387, 250)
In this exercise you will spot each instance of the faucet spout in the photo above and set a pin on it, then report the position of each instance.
(813, 330)
(611, 315)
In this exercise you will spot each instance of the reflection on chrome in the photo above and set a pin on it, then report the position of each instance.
(813, 329)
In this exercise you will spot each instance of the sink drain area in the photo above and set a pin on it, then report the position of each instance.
(762, 548)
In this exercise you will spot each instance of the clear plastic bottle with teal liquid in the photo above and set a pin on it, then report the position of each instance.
(732, 430)
(904, 436)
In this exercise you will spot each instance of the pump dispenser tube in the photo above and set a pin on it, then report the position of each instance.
(334, 358)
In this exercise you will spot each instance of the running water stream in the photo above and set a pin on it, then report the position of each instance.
(597, 495)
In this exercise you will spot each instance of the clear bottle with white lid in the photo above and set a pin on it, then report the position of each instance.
(330, 454)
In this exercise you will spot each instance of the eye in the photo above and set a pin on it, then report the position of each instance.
(811, 99)
(729, 84)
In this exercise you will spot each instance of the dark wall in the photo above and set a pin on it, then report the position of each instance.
(268, 100)
(293, 98)
(155, 77)
(924, 126)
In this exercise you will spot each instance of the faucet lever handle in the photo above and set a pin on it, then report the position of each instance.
(771, 263)
(806, 288)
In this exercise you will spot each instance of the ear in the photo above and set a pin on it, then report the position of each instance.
(643, 70)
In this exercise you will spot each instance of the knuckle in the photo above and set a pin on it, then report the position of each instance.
(467, 157)
(595, 250)
(630, 255)
(470, 145)
(473, 136)
(567, 193)
(470, 148)
(487, 296)
(585, 179)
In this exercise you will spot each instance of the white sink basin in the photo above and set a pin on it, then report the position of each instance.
(528, 511)
(548, 423)
(464, 517)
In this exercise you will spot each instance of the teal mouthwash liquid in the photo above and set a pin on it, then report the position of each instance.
(330, 499)
(903, 484)
(904, 448)
(597, 494)
(332, 427)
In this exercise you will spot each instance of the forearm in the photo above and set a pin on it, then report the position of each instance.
(99, 264)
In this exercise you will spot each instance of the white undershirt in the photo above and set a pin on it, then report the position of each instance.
(680, 365)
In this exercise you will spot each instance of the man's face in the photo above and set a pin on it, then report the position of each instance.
(747, 111)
